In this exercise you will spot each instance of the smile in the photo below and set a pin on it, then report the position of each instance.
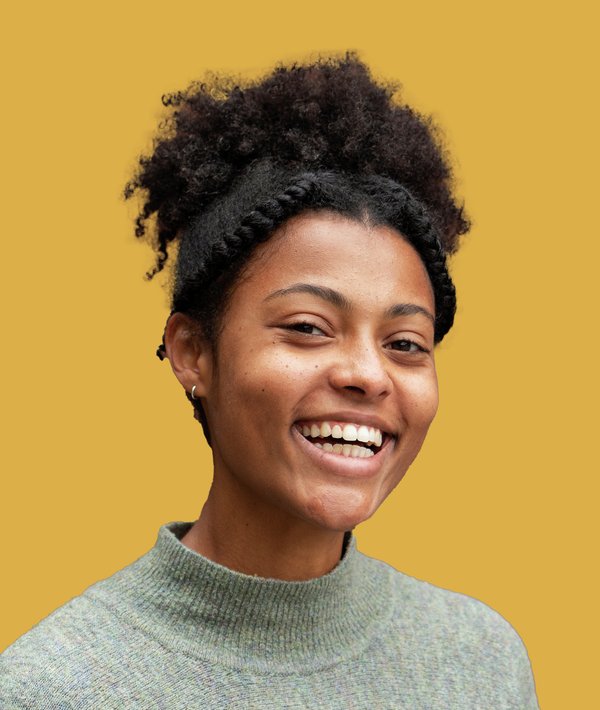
(328, 436)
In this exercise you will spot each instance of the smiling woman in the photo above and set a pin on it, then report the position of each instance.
(313, 214)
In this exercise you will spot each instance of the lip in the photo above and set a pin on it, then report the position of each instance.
(349, 417)
(346, 465)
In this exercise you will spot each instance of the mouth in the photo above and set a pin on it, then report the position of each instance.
(344, 439)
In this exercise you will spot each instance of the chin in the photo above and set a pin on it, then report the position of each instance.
(341, 513)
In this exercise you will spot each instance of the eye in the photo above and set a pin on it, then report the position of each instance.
(304, 328)
(407, 346)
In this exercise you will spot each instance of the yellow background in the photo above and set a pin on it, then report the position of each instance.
(100, 447)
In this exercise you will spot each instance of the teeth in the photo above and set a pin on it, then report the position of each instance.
(363, 433)
(350, 450)
(349, 433)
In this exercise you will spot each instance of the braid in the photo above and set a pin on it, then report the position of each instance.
(386, 201)
(259, 224)
(410, 217)
(424, 237)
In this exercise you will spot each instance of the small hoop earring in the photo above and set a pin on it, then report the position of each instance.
(193, 395)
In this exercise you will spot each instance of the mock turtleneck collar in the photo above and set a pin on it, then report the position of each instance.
(201, 608)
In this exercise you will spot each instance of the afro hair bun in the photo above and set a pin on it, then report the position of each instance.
(326, 115)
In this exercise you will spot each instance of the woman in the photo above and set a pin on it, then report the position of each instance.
(313, 215)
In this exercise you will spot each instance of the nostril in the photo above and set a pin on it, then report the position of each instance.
(353, 388)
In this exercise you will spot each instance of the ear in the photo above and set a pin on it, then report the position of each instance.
(189, 353)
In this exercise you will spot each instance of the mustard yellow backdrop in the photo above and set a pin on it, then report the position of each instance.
(99, 444)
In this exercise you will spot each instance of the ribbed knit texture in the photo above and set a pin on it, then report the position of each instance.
(174, 630)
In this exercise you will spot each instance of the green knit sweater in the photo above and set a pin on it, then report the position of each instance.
(174, 630)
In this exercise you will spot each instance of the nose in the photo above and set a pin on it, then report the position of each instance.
(362, 369)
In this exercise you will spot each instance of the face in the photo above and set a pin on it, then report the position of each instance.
(325, 383)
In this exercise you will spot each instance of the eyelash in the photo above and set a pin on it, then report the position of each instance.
(299, 324)
(294, 326)
(420, 348)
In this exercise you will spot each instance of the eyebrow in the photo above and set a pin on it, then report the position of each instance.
(408, 309)
(340, 301)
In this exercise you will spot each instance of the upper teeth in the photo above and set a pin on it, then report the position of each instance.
(347, 432)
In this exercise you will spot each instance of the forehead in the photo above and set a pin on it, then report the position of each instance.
(373, 266)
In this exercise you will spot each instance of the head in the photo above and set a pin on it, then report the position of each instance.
(312, 176)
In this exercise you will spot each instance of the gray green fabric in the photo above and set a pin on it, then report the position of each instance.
(174, 630)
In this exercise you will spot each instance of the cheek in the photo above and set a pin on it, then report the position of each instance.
(419, 405)
(261, 388)
(421, 401)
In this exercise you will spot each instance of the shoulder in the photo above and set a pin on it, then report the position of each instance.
(454, 614)
(65, 657)
(460, 640)
(442, 612)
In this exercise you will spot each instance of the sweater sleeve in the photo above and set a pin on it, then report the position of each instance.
(524, 675)
(58, 664)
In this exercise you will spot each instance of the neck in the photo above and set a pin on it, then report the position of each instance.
(248, 536)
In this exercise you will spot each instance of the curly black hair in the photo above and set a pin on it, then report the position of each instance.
(235, 160)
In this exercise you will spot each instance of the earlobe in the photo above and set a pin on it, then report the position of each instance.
(189, 353)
